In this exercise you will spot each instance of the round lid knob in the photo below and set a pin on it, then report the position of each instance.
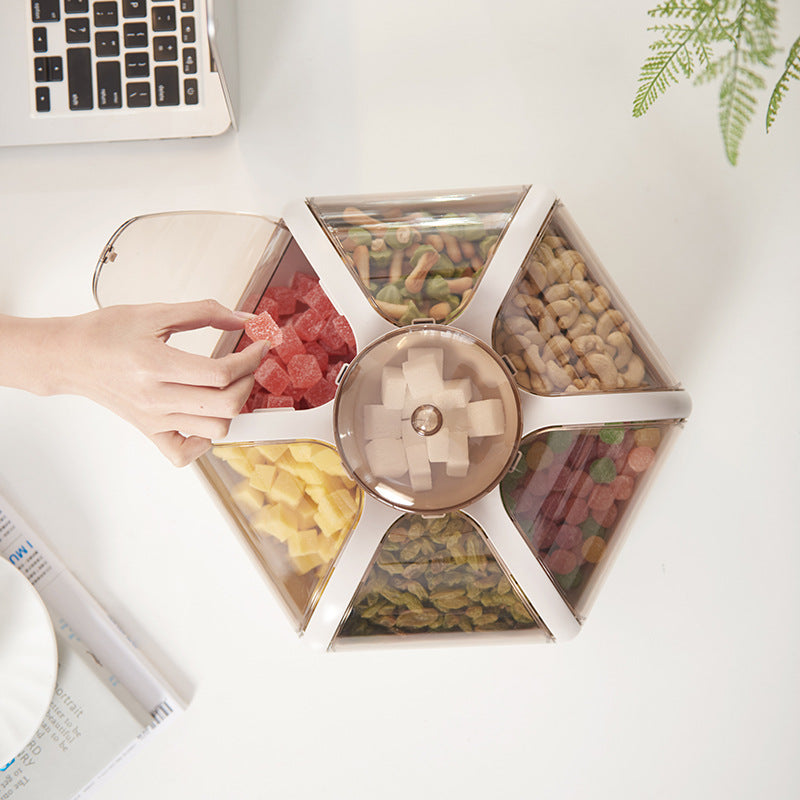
(427, 418)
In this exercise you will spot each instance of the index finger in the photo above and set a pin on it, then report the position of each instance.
(175, 317)
(195, 370)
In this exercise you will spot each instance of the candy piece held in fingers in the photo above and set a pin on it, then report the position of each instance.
(263, 327)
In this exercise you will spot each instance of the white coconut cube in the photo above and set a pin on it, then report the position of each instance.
(408, 434)
(457, 454)
(455, 394)
(420, 352)
(486, 417)
(393, 387)
(438, 445)
(411, 404)
(456, 419)
(419, 468)
(423, 375)
(381, 422)
(386, 457)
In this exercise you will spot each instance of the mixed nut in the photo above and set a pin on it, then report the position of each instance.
(435, 575)
(570, 490)
(418, 264)
(560, 329)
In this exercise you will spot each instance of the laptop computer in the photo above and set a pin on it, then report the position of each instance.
(106, 70)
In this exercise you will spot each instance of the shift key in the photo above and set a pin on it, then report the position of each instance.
(79, 78)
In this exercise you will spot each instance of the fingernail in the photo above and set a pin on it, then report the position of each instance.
(244, 315)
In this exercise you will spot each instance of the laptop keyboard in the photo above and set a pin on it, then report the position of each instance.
(114, 54)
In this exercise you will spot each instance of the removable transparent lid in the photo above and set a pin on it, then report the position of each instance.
(436, 576)
(571, 492)
(427, 418)
(418, 256)
(189, 255)
(566, 327)
(295, 505)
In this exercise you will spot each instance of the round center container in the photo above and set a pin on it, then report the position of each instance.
(427, 418)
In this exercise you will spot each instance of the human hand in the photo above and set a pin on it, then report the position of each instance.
(120, 357)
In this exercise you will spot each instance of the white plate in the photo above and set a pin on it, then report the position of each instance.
(28, 661)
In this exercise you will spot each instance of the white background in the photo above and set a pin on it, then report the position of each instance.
(684, 681)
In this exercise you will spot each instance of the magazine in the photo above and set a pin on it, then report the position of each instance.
(108, 697)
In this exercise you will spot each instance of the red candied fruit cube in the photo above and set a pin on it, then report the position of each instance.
(302, 283)
(303, 371)
(272, 376)
(331, 339)
(332, 374)
(320, 393)
(309, 325)
(342, 327)
(320, 353)
(264, 327)
(270, 305)
(290, 346)
(285, 297)
(316, 298)
(280, 401)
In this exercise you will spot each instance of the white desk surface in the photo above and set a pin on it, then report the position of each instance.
(683, 682)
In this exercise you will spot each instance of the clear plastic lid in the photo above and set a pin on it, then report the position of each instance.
(427, 418)
(190, 255)
(565, 326)
(436, 576)
(418, 256)
(295, 505)
(572, 491)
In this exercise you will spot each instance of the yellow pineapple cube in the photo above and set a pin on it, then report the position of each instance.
(272, 452)
(276, 520)
(307, 472)
(315, 492)
(305, 513)
(303, 543)
(327, 459)
(304, 564)
(301, 451)
(286, 489)
(247, 498)
(263, 477)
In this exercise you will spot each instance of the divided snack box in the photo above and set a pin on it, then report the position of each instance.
(450, 439)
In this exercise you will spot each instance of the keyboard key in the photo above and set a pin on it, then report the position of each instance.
(137, 65)
(47, 69)
(42, 98)
(165, 48)
(109, 85)
(45, 11)
(190, 91)
(106, 44)
(76, 6)
(187, 30)
(134, 8)
(167, 86)
(189, 61)
(77, 30)
(135, 34)
(187, 6)
(137, 95)
(105, 15)
(163, 18)
(79, 78)
(40, 40)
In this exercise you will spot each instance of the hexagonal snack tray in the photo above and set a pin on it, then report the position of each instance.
(486, 412)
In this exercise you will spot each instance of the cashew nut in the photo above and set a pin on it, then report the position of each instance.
(602, 365)
(633, 374)
(558, 375)
(601, 300)
(558, 348)
(534, 360)
(559, 291)
(565, 311)
(537, 275)
(582, 326)
(583, 345)
(621, 342)
(610, 320)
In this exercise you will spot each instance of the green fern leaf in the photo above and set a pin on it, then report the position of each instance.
(782, 86)
(737, 104)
